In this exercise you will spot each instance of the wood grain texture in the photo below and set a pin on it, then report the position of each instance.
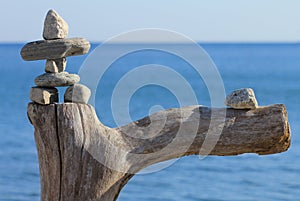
(45, 132)
(81, 159)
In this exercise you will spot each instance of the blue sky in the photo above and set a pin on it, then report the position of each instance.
(201, 20)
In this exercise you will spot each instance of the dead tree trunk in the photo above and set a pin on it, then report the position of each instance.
(81, 159)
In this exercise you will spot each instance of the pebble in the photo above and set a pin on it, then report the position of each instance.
(56, 79)
(56, 65)
(77, 93)
(242, 99)
(61, 64)
(51, 67)
(54, 49)
(44, 96)
(55, 27)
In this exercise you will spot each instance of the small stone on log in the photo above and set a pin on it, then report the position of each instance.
(242, 99)
(55, 49)
(77, 93)
(56, 65)
(55, 27)
(44, 96)
(56, 79)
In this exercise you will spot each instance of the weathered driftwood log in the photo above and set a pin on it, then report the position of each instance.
(81, 159)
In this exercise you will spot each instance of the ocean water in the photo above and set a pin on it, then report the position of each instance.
(272, 70)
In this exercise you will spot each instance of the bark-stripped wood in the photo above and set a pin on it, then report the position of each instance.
(81, 159)
(45, 132)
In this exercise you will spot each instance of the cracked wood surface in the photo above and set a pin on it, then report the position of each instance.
(81, 159)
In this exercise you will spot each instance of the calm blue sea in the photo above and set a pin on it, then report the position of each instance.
(272, 70)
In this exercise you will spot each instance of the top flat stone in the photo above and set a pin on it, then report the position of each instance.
(55, 27)
(55, 49)
(242, 99)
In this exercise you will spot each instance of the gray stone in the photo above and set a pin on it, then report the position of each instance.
(77, 93)
(56, 65)
(55, 49)
(51, 67)
(56, 79)
(242, 99)
(44, 96)
(55, 27)
(61, 64)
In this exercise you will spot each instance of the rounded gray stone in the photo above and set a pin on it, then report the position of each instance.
(56, 79)
(77, 93)
(242, 99)
(55, 27)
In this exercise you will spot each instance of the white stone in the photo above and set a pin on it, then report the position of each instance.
(44, 96)
(242, 99)
(77, 93)
(55, 27)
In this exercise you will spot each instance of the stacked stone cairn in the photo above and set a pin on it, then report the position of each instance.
(54, 49)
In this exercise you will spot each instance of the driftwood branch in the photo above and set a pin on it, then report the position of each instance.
(81, 159)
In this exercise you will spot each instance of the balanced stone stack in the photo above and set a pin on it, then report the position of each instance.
(54, 49)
